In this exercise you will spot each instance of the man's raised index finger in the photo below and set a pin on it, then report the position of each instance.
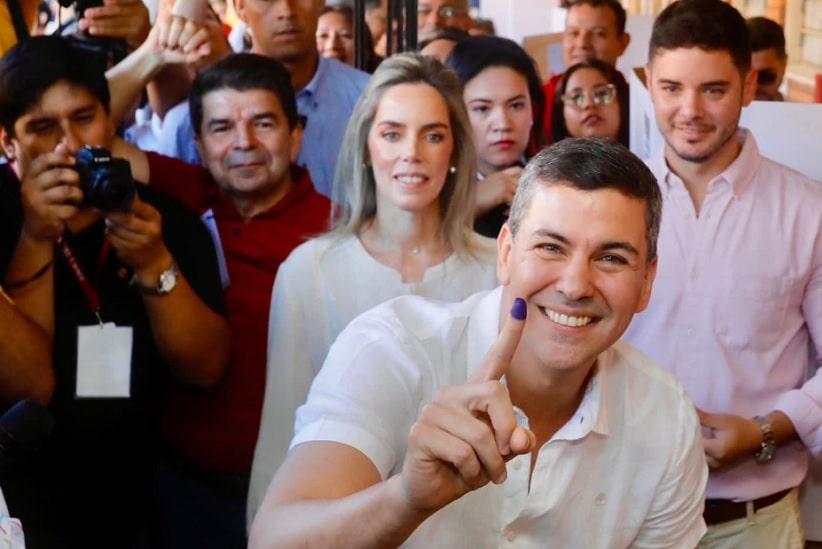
(499, 356)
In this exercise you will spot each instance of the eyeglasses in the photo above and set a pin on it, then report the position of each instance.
(446, 12)
(602, 94)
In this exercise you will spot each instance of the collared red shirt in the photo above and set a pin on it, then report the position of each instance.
(217, 429)
(627, 470)
(737, 301)
(326, 102)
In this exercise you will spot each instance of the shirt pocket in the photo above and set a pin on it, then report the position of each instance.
(750, 313)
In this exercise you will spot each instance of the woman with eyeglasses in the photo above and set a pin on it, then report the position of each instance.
(591, 101)
(503, 93)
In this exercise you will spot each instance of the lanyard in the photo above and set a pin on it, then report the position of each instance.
(91, 293)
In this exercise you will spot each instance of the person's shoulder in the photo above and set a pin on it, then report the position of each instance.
(642, 371)
(343, 79)
(772, 170)
(419, 317)
(306, 192)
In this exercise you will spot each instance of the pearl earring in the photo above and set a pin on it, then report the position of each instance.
(452, 169)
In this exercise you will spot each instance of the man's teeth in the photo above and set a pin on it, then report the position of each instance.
(410, 179)
(566, 320)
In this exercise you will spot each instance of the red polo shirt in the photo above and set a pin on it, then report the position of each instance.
(549, 89)
(216, 429)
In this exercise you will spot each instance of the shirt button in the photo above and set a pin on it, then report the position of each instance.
(685, 215)
(517, 464)
(690, 332)
(601, 499)
(694, 274)
(511, 535)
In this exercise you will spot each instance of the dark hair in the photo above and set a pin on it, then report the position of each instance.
(710, 25)
(559, 130)
(619, 12)
(34, 65)
(367, 40)
(477, 53)
(765, 35)
(454, 34)
(590, 164)
(242, 72)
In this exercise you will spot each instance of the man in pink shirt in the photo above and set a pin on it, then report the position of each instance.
(738, 297)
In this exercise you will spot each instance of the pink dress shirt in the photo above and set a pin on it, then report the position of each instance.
(737, 303)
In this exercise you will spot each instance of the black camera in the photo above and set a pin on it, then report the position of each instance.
(105, 181)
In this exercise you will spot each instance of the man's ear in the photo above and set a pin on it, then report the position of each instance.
(7, 144)
(749, 88)
(505, 243)
(649, 80)
(648, 284)
(296, 141)
(624, 40)
(198, 143)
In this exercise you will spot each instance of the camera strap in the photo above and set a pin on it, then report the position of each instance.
(18, 20)
(88, 289)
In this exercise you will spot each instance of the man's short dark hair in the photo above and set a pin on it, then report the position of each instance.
(454, 34)
(243, 72)
(619, 12)
(710, 25)
(34, 65)
(590, 164)
(767, 34)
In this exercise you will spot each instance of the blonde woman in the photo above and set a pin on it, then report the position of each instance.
(405, 186)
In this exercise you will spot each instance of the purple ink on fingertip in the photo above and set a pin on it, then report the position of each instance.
(520, 309)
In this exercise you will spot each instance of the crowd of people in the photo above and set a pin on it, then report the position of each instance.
(273, 300)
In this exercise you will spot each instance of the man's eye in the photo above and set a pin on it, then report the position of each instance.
(611, 258)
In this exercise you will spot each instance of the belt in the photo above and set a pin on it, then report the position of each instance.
(718, 511)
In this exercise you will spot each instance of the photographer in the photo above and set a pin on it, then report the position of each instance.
(128, 294)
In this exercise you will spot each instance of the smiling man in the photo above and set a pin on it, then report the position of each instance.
(409, 435)
(285, 30)
(739, 290)
(259, 206)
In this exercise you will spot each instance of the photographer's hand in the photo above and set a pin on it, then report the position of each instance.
(50, 192)
(191, 337)
(51, 195)
(137, 237)
(124, 19)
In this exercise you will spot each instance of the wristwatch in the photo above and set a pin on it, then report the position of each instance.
(165, 284)
(768, 450)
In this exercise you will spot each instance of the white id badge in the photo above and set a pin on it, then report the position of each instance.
(104, 361)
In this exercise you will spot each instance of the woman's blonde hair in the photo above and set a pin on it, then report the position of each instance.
(354, 186)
